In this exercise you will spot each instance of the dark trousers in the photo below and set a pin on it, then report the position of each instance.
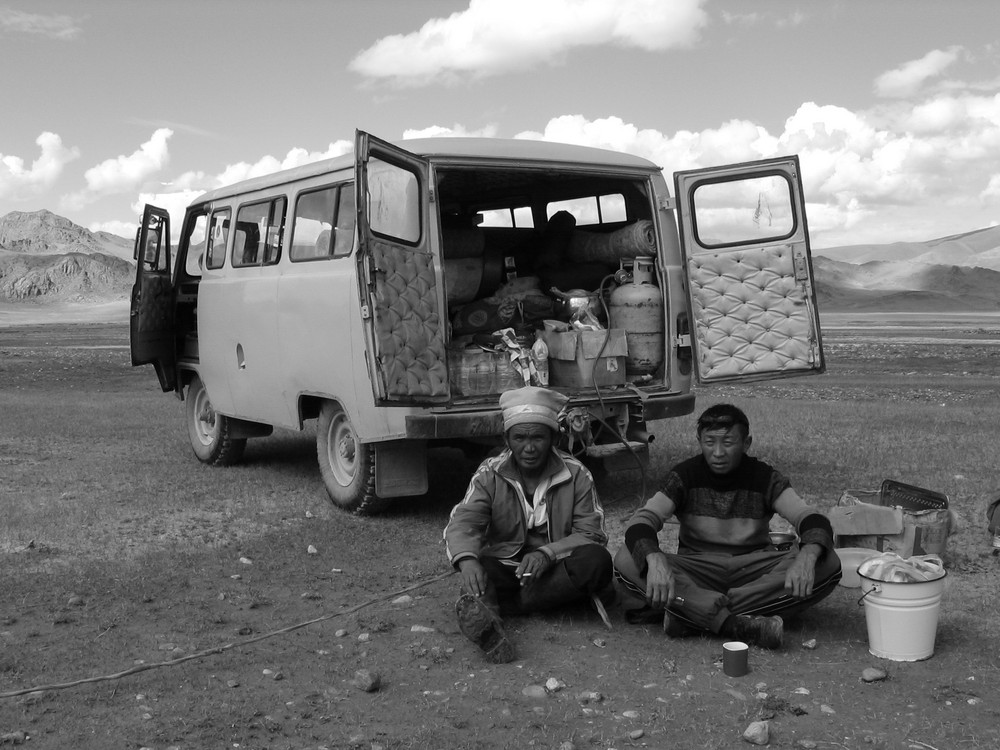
(586, 571)
(714, 587)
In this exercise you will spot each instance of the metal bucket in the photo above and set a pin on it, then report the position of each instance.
(902, 617)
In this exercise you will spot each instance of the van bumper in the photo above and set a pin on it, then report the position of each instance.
(480, 423)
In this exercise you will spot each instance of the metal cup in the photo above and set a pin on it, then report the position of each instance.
(735, 658)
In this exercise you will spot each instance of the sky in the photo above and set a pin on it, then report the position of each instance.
(893, 106)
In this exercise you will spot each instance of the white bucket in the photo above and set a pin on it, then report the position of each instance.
(902, 617)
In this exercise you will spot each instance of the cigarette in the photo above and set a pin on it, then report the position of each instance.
(525, 575)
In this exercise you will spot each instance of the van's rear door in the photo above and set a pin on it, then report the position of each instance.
(746, 252)
(402, 293)
(151, 312)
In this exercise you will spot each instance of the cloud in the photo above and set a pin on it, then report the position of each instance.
(492, 37)
(62, 28)
(269, 164)
(17, 182)
(863, 172)
(907, 79)
(122, 174)
(455, 131)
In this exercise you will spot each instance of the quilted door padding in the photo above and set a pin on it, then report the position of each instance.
(752, 313)
(410, 342)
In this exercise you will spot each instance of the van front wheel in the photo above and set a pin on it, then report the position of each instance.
(210, 433)
(346, 464)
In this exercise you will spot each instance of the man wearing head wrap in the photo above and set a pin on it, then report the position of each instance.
(529, 533)
(727, 577)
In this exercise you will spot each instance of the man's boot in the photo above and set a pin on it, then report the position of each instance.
(483, 626)
(767, 632)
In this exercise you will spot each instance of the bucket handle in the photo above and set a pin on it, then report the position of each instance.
(874, 589)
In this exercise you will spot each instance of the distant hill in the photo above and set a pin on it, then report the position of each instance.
(47, 258)
(980, 248)
(959, 273)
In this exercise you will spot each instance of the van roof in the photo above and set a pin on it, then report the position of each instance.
(455, 150)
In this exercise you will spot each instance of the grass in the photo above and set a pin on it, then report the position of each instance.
(95, 468)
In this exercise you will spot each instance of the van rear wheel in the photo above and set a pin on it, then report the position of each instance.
(346, 464)
(210, 432)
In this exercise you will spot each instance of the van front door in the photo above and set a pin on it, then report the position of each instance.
(746, 252)
(151, 312)
(400, 277)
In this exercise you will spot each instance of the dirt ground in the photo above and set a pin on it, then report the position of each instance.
(235, 608)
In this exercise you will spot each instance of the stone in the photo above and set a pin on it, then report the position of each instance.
(403, 601)
(636, 734)
(758, 733)
(553, 685)
(422, 629)
(872, 674)
(630, 714)
(311, 550)
(367, 680)
(810, 644)
(534, 691)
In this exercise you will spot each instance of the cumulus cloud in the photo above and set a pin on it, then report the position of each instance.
(269, 164)
(455, 131)
(58, 27)
(122, 174)
(910, 77)
(19, 182)
(862, 171)
(497, 36)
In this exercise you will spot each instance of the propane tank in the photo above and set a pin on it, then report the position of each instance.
(636, 305)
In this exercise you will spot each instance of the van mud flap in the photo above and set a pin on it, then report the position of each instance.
(400, 468)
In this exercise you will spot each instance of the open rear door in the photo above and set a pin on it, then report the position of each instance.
(151, 314)
(746, 252)
(399, 277)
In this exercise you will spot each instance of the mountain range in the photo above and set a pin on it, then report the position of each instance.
(47, 258)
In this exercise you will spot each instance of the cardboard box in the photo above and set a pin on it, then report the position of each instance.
(886, 521)
(573, 360)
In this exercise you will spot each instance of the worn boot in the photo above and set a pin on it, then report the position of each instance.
(483, 627)
(673, 627)
(767, 632)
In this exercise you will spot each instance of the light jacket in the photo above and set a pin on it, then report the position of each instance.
(490, 520)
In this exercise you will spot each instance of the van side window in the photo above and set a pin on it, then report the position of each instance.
(324, 223)
(195, 240)
(218, 236)
(393, 201)
(259, 229)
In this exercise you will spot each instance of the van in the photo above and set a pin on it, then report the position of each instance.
(392, 294)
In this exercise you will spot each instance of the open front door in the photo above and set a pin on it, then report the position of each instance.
(151, 315)
(746, 252)
(402, 294)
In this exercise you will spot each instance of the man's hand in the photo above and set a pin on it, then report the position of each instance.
(801, 575)
(659, 580)
(532, 565)
(473, 576)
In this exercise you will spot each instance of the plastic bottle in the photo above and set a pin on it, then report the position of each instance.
(540, 358)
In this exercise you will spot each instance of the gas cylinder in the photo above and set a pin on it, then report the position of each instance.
(636, 305)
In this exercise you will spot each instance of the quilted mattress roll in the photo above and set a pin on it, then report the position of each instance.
(634, 240)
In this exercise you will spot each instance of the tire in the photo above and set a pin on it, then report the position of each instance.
(210, 432)
(346, 464)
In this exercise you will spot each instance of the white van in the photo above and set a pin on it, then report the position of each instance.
(367, 292)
